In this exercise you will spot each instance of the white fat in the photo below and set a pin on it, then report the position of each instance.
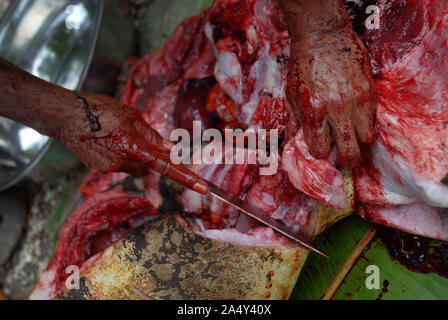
(229, 75)
(317, 178)
(252, 38)
(414, 218)
(249, 109)
(271, 79)
(193, 202)
(259, 237)
(403, 184)
(208, 29)
(45, 289)
(268, 79)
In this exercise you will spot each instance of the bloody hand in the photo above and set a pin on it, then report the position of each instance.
(329, 83)
(103, 132)
(123, 142)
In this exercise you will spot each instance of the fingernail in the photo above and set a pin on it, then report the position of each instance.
(200, 187)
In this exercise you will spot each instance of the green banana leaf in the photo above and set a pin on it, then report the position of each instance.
(396, 281)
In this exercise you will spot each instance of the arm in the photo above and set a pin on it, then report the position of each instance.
(313, 16)
(329, 83)
(103, 132)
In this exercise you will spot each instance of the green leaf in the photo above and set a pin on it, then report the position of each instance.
(402, 282)
(337, 242)
(398, 282)
(159, 19)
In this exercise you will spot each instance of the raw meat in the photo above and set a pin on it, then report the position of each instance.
(278, 197)
(317, 178)
(234, 178)
(275, 195)
(153, 85)
(408, 162)
(244, 45)
(252, 49)
(251, 45)
(97, 224)
(97, 182)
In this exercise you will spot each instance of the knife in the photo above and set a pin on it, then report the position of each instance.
(262, 217)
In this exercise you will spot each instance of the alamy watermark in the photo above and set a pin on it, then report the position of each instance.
(373, 280)
(72, 281)
(373, 21)
(234, 146)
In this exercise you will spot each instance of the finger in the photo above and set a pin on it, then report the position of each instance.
(152, 137)
(318, 139)
(364, 122)
(346, 142)
(162, 164)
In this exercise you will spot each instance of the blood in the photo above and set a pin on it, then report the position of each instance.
(416, 253)
(404, 24)
(252, 46)
(230, 21)
(97, 182)
(191, 105)
(96, 225)
(234, 179)
(94, 123)
(385, 285)
(409, 156)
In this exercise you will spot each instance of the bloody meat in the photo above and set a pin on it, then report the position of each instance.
(98, 223)
(402, 184)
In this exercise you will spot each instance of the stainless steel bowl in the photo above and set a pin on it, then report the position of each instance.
(55, 41)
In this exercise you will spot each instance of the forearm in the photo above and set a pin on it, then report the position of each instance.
(103, 132)
(307, 17)
(34, 102)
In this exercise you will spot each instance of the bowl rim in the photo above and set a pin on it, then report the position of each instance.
(29, 166)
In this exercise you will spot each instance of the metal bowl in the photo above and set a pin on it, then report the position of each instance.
(55, 41)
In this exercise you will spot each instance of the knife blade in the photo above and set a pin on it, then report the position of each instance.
(262, 217)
